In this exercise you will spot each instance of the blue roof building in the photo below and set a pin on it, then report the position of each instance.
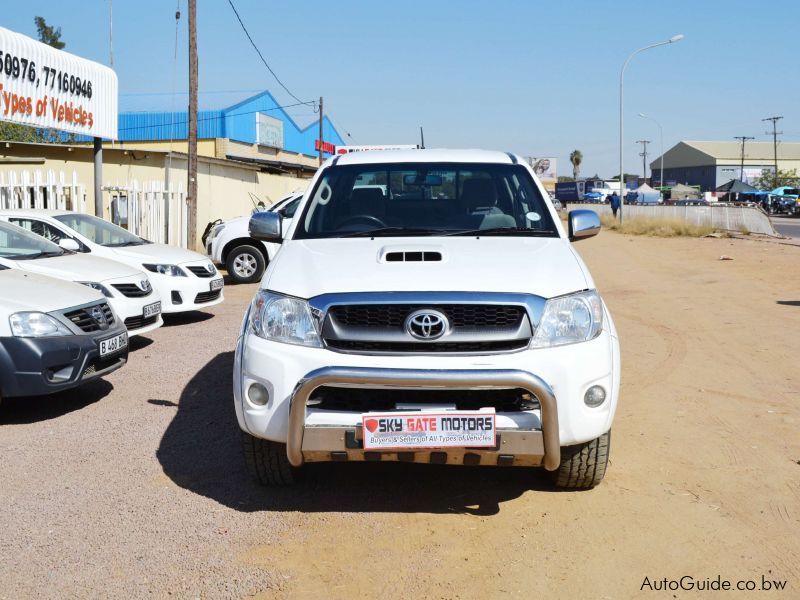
(258, 120)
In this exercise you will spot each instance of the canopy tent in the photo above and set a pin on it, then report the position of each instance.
(734, 186)
(680, 191)
(647, 195)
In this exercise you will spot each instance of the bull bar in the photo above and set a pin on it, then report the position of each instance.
(477, 379)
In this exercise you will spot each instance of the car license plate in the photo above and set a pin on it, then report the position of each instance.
(114, 344)
(216, 284)
(152, 310)
(421, 430)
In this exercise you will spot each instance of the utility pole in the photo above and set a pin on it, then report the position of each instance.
(111, 32)
(643, 154)
(191, 184)
(775, 134)
(743, 139)
(320, 130)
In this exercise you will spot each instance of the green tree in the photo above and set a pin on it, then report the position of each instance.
(48, 34)
(14, 132)
(770, 180)
(576, 158)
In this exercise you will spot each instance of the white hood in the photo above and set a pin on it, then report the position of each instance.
(79, 267)
(158, 254)
(23, 291)
(545, 267)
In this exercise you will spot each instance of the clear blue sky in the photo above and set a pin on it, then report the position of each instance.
(538, 78)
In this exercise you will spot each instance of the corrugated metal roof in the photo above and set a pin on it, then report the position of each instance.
(752, 150)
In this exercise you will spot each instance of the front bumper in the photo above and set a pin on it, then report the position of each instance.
(535, 445)
(183, 294)
(38, 366)
(288, 372)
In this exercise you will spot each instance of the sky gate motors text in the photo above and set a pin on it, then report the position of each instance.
(444, 424)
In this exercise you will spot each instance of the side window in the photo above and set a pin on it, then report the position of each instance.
(39, 228)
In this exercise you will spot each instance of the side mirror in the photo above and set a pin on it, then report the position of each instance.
(69, 244)
(583, 224)
(266, 227)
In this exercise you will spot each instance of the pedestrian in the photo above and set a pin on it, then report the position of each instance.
(614, 204)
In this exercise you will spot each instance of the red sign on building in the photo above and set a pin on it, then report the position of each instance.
(327, 147)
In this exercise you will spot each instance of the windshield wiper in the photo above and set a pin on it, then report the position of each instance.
(390, 231)
(121, 244)
(36, 255)
(505, 231)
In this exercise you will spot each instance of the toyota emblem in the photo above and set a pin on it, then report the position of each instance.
(144, 285)
(427, 324)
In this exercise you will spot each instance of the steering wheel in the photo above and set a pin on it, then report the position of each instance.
(369, 219)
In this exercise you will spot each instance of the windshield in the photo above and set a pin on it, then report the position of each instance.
(18, 244)
(407, 199)
(100, 231)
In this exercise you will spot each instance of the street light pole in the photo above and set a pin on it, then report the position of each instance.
(661, 143)
(672, 40)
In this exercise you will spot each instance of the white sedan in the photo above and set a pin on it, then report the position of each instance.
(127, 290)
(185, 280)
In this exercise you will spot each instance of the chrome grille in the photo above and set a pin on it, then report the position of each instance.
(460, 315)
(131, 290)
(202, 271)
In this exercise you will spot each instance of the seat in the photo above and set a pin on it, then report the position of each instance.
(479, 206)
(368, 201)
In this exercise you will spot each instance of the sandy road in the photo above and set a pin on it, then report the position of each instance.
(135, 486)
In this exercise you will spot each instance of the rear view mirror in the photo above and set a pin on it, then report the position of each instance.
(266, 227)
(583, 224)
(69, 244)
(419, 179)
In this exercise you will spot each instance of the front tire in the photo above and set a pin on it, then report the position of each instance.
(583, 466)
(245, 264)
(267, 462)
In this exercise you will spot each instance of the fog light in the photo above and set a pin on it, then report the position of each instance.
(594, 396)
(258, 394)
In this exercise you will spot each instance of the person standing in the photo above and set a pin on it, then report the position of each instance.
(614, 204)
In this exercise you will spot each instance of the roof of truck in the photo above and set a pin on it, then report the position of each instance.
(433, 155)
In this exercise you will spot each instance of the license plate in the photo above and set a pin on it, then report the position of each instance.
(422, 430)
(114, 344)
(152, 310)
(216, 284)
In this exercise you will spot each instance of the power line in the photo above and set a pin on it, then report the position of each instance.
(261, 56)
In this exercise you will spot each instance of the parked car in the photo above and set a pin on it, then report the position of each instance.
(447, 320)
(127, 290)
(230, 244)
(185, 280)
(54, 334)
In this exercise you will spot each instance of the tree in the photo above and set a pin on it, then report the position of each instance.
(576, 158)
(769, 180)
(48, 34)
(628, 177)
(14, 132)
(565, 179)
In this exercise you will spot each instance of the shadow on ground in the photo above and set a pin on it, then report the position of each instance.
(185, 318)
(32, 409)
(789, 302)
(201, 452)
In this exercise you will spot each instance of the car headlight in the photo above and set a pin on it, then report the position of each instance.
(97, 286)
(284, 319)
(569, 319)
(171, 270)
(36, 324)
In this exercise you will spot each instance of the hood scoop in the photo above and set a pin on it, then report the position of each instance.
(394, 254)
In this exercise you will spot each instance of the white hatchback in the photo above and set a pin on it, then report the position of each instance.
(185, 280)
(128, 290)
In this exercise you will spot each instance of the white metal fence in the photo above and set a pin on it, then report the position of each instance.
(727, 218)
(147, 209)
(38, 190)
(151, 211)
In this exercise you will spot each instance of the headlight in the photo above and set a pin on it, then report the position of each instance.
(36, 324)
(171, 270)
(284, 319)
(569, 319)
(97, 286)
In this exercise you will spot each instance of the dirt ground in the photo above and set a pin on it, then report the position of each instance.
(135, 486)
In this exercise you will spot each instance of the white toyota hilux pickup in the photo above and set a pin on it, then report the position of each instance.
(427, 306)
